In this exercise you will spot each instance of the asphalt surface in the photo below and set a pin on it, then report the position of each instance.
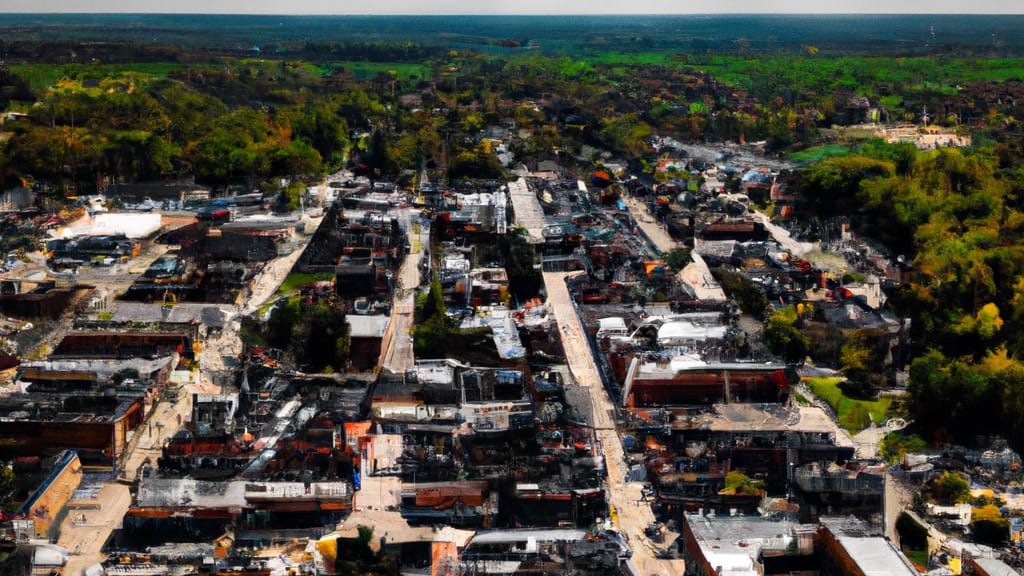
(633, 515)
(397, 348)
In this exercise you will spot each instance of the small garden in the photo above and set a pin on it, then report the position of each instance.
(853, 414)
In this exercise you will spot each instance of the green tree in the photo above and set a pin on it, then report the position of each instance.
(750, 297)
(738, 483)
(322, 340)
(783, 338)
(988, 526)
(896, 445)
(862, 356)
(913, 535)
(7, 487)
(281, 324)
(677, 258)
(948, 489)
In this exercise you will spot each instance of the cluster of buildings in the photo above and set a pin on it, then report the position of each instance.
(486, 461)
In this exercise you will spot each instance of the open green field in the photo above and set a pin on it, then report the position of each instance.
(810, 71)
(43, 76)
(402, 70)
(854, 415)
(819, 153)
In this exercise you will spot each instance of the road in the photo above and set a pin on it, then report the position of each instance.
(633, 515)
(84, 540)
(271, 277)
(396, 350)
(656, 233)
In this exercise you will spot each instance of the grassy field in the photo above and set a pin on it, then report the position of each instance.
(854, 415)
(402, 70)
(819, 153)
(919, 557)
(43, 76)
(297, 280)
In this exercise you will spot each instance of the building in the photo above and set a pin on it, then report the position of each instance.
(746, 545)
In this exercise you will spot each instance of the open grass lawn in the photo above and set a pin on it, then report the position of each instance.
(919, 557)
(297, 280)
(854, 415)
(402, 70)
(293, 282)
(43, 76)
(819, 153)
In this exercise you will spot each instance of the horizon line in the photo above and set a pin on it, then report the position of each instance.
(504, 15)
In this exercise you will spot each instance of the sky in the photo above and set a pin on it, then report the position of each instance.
(483, 7)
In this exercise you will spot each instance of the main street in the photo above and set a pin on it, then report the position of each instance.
(84, 539)
(633, 515)
(656, 233)
(397, 350)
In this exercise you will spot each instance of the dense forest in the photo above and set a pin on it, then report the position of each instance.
(236, 118)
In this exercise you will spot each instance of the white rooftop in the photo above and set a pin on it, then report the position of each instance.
(367, 326)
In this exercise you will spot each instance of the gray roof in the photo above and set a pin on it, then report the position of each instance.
(186, 492)
(739, 534)
(542, 535)
(210, 315)
(874, 555)
(104, 368)
(995, 567)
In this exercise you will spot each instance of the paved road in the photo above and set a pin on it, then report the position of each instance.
(654, 231)
(84, 540)
(271, 277)
(633, 515)
(397, 349)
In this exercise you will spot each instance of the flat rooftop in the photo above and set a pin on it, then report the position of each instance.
(735, 542)
(874, 555)
(768, 418)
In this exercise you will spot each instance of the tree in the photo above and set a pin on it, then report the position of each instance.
(750, 297)
(738, 483)
(7, 487)
(988, 526)
(783, 338)
(832, 184)
(862, 356)
(377, 160)
(677, 258)
(324, 130)
(475, 163)
(322, 340)
(281, 324)
(913, 536)
(896, 445)
(948, 489)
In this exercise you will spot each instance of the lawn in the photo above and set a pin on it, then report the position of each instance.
(819, 153)
(293, 282)
(401, 70)
(43, 76)
(854, 415)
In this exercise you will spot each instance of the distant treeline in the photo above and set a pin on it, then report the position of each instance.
(965, 35)
(78, 52)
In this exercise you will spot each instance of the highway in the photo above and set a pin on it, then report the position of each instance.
(633, 515)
